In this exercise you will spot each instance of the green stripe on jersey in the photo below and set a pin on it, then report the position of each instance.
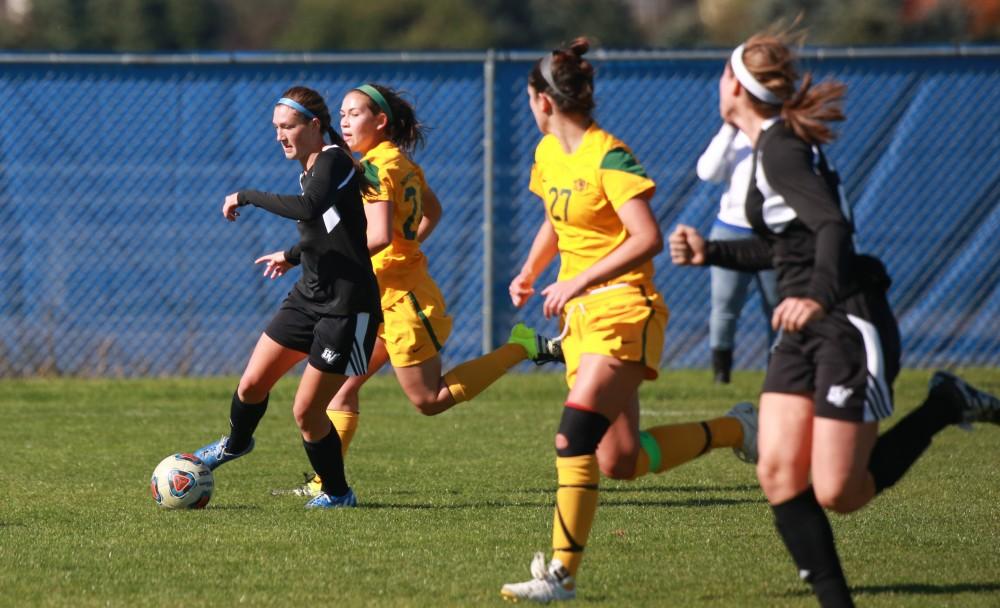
(371, 174)
(621, 159)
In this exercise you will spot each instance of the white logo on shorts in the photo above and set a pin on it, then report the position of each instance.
(329, 355)
(837, 395)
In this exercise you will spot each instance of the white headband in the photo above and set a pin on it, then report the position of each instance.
(749, 82)
(545, 67)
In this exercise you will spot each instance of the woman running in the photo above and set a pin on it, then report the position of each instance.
(599, 222)
(331, 315)
(402, 210)
(829, 380)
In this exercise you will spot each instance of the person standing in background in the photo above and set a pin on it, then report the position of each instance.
(728, 160)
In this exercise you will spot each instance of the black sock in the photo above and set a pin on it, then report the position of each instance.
(899, 447)
(804, 527)
(243, 420)
(328, 462)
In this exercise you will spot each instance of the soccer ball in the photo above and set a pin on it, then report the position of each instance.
(182, 481)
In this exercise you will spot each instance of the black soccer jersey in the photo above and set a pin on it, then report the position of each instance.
(794, 207)
(337, 276)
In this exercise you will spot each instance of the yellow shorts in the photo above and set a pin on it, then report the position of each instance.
(625, 322)
(416, 325)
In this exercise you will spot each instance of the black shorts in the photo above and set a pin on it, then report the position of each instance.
(336, 344)
(847, 360)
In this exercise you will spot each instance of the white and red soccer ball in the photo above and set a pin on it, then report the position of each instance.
(182, 481)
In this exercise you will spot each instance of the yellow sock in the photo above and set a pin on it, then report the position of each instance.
(576, 504)
(669, 446)
(346, 423)
(472, 377)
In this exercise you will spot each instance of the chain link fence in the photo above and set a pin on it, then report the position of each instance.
(116, 260)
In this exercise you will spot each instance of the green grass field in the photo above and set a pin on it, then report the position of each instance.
(451, 507)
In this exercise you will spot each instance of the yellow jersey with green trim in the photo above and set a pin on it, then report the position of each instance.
(582, 192)
(395, 178)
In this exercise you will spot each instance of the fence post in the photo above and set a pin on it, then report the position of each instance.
(489, 77)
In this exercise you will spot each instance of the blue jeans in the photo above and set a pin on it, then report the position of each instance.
(730, 289)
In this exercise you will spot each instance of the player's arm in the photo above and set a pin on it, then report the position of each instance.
(379, 216)
(432, 214)
(329, 171)
(643, 242)
(714, 162)
(790, 172)
(746, 255)
(544, 249)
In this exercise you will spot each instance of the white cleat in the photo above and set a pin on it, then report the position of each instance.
(973, 404)
(747, 415)
(548, 584)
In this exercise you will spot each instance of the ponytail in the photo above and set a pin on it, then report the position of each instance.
(812, 107)
(806, 109)
(404, 129)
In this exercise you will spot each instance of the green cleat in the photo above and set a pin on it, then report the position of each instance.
(540, 349)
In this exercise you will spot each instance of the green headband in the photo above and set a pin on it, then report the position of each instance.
(377, 97)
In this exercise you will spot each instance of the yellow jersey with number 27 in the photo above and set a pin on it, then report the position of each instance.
(582, 192)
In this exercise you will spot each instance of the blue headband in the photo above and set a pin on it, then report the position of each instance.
(291, 103)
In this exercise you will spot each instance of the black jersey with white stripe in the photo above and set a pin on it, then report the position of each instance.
(337, 276)
(794, 206)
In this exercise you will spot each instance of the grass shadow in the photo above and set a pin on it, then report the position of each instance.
(927, 588)
(744, 487)
(462, 505)
(548, 502)
(693, 502)
(625, 488)
(910, 589)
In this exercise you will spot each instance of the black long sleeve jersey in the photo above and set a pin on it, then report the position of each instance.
(802, 230)
(337, 276)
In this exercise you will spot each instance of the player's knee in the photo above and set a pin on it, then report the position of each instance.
(252, 388)
(618, 466)
(838, 498)
(427, 404)
(301, 416)
(772, 476)
(579, 432)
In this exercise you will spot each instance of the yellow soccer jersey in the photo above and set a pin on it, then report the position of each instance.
(400, 266)
(582, 192)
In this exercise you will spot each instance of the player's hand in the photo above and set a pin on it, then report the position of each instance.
(276, 264)
(229, 208)
(792, 314)
(557, 294)
(521, 289)
(687, 247)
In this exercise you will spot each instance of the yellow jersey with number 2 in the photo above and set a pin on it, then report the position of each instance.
(401, 266)
(582, 192)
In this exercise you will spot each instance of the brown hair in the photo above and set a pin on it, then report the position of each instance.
(404, 129)
(314, 102)
(808, 109)
(572, 86)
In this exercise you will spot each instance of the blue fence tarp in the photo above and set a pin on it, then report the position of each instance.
(116, 260)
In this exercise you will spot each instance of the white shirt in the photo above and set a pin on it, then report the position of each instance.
(729, 158)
